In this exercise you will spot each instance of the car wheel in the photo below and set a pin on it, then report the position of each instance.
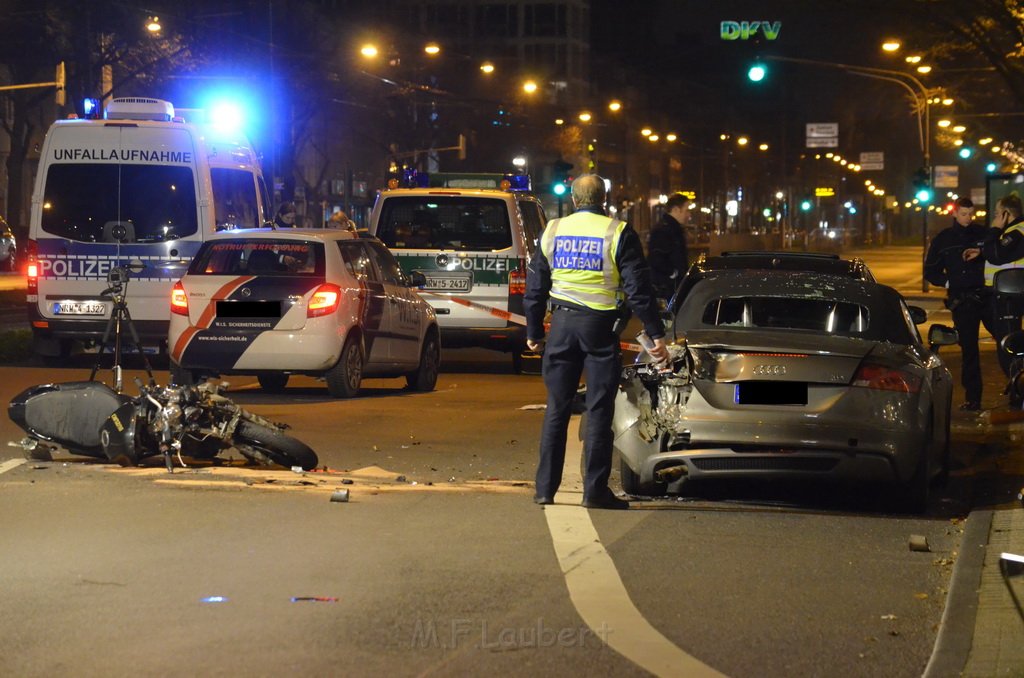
(344, 378)
(273, 383)
(913, 496)
(424, 377)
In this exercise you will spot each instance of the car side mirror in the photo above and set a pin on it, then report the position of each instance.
(416, 279)
(918, 315)
(942, 335)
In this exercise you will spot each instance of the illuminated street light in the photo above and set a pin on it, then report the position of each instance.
(742, 141)
(614, 106)
(670, 137)
(959, 129)
(585, 116)
(891, 45)
(519, 161)
(924, 69)
(153, 24)
(653, 137)
(647, 131)
(369, 51)
(948, 101)
(529, 86)
(986, 141)
(913, 59)
(432, 48)
(487, 67)
(559, 121)
(944, 123)
(763, 147)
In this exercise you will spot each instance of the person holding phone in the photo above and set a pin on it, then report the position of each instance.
(1004, 248)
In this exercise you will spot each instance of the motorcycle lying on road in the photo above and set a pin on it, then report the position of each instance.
(92, 419)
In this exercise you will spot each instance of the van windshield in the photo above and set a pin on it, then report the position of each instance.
(89, 202)
(449, 222)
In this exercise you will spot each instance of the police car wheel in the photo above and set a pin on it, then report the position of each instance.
(344, 378)
(424, 377)
(273, 383)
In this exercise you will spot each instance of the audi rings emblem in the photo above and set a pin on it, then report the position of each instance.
(246, 292)
(442, 260)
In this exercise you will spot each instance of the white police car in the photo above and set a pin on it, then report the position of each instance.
(326, 303)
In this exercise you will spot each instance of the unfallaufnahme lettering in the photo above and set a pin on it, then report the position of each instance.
(123, 155)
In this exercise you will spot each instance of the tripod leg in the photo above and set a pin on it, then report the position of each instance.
(103, 343)
(138, 344)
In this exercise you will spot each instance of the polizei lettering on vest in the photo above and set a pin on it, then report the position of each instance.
(578, 252)
(123, 155)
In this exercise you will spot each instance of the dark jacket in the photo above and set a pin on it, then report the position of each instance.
(667, 255)
(636, 284)
(945, 262)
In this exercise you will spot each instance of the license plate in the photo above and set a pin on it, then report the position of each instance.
(79, 308)
(447, 283)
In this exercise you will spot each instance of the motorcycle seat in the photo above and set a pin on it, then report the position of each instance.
(73, 411)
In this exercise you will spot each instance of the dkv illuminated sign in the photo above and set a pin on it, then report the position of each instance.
(744, 30)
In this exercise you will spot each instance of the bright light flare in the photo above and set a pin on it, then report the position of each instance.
(369, 51)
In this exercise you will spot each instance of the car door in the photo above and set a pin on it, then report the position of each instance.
(372, 314)
(402, 308)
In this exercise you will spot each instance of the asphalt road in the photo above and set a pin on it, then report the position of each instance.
(439, 563)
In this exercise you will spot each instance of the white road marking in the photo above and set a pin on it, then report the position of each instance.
(597, 591)
(11, 464)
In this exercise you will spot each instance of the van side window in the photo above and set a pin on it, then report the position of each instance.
(234, 199)
(83, 202)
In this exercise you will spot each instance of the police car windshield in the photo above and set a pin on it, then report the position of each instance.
(86, 202)
(444, 222)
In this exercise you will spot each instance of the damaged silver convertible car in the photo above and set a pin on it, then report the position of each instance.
(789, 375)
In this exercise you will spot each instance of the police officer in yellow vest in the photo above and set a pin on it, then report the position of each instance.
(586, 264)
(1004, 248)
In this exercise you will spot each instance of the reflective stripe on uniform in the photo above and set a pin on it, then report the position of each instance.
(991, 269)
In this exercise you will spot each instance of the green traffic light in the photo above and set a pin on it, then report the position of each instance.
(805, 205)
(965, 152)
(924, 195)
(757, 73)
(558, 188)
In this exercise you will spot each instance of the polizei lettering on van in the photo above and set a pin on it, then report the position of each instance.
(123, 155)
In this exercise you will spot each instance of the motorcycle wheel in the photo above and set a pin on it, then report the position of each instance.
(279, 448)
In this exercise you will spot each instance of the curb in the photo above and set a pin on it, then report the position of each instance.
(956, 629)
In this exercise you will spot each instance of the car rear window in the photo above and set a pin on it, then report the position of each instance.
(818, 315)
(449, 222)
(259, 257)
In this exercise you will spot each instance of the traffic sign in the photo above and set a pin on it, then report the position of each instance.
(818, 130)
(824, 142)
(946, 176)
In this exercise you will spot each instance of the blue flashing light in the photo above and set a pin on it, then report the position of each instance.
(559, 189)
(518, 182)
(91, 108)
(226, 117)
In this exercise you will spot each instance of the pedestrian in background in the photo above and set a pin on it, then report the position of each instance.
(666, 247)
(954, 261)
(1004, 248)
(340, 220)
(585, 265)
(285, 216)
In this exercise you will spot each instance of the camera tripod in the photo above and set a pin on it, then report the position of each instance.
(119, 318)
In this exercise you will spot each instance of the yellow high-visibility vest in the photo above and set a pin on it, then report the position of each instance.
(991, 269)
(581, 251)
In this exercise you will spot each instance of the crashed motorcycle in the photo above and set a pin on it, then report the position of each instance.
(199, 422)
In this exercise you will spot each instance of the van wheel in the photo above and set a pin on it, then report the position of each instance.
(273, 383)
(344, 378)
(182, 376)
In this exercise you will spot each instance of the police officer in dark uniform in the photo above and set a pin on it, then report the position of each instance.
(666, 247)
(954, 261)
(585, 265)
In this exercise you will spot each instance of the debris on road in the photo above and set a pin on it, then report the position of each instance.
(919, 542)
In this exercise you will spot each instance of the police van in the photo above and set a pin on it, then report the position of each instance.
(471, 236)
(140, 189)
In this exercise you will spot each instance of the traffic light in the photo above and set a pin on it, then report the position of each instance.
(61, 82)
(965, 152)
(806, 205)
(923, 185)
(757, 71)
(560, 177)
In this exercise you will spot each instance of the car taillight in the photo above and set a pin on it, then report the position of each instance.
(32, 269)
(886, 379)
(179, 301)
(517, 279)
(324, 301)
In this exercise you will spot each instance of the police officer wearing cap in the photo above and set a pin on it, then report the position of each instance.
(585, 265)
